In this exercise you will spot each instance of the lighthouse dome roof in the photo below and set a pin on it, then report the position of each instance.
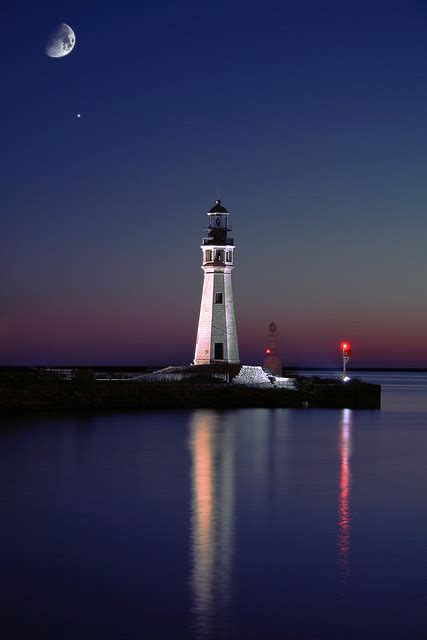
(218, 208)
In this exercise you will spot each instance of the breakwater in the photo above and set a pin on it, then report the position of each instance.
(88, 394)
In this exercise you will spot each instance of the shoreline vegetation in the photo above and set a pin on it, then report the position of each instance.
(37, 390)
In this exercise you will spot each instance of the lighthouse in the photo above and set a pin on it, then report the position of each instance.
(217, 334)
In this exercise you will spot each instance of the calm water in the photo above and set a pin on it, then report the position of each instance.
(245, 524)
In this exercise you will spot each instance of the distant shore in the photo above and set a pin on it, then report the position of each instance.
(149, 368)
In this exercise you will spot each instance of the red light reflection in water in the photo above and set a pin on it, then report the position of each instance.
(344, 483)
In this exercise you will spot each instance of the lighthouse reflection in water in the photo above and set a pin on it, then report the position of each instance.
(212, 450)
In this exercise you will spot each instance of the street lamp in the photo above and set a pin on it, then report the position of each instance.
(346, 355)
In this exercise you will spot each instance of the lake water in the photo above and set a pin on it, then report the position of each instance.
(304, 524)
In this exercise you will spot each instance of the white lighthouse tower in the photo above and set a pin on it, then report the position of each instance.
(217, 334)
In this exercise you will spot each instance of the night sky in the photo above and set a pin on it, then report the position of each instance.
(311, 120)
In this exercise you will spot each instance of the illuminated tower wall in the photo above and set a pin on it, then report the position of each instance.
(217, 334)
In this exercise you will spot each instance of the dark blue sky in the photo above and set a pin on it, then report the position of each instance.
(310, 119)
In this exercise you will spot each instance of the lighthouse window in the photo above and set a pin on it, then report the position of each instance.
(218, 298)
(208, 256)
(228, 256)
(219, 256)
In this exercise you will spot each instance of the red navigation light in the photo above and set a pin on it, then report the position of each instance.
(345, 346)
(268, 351)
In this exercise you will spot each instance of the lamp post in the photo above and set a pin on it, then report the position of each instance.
(346, 355)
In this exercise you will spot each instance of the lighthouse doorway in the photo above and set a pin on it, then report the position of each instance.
(219, 351)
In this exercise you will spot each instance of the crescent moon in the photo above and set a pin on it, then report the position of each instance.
(61, 42)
